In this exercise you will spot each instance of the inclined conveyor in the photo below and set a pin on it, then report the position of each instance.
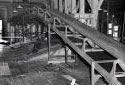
(96, 48)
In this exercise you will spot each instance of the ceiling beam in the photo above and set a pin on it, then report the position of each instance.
(90, 3)
(100, 4)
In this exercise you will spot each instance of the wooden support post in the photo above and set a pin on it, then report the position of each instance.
(11, 27)
(49, 42)
(60, 6)
(55, 4)
(123, 30)
(30, 32)
(8, 29)
(82, 7)
(73, 6)
(66, 48)
(96, 6)
(66, 6)
(95, 13)
(113, 68)
(94, 77)
(66, 54)
(69, 3)
(52, 4)
(76, 59)
(83, 45)
(23, 29)
(39, 30)
(92, 73)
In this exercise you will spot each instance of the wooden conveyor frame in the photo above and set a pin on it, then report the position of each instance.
(114, 48)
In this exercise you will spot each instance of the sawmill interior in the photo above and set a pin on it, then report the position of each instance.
(62, 42)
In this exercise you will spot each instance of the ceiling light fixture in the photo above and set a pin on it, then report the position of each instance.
(105, 11)
(14, 11)
(19, 6)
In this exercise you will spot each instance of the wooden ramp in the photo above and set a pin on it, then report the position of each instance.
(79, 36)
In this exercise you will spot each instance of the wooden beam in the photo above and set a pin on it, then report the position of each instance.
(95, 13)
(66, 6)
(100, 3)
(60, 6)
(55, 4)
(73, 6)
(90, 3)
(69, 3)
(49, 41)
(82, 7)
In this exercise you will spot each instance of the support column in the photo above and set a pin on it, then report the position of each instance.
(52, 4)
(8, 29)
(95, 13)
(39, 30)
(73, 6)
(82, 7)
(55, 4)
(23, 26)
(60, 6)
(69, 3)
(66, 48)
(66, 7)
(66, 54)
(12, 35)
(49, 42)
(76, 59)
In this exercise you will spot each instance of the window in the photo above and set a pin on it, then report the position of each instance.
(0, 26)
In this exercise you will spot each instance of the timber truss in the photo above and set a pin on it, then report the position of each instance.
(78, 36)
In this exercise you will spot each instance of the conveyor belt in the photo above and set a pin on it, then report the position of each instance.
(114, 49)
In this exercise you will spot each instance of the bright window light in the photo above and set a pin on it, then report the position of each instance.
(115, 28)
(0, 26)
(109, 31)
(110, 25)
(115, 34)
